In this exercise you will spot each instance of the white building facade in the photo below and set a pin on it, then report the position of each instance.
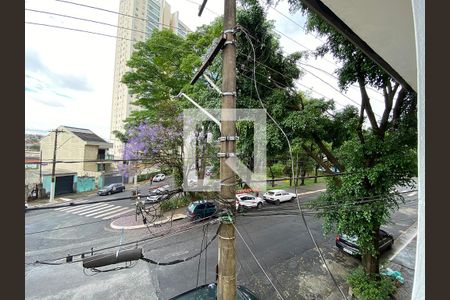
(137, 20)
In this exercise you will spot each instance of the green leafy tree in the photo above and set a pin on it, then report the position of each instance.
(376, 158)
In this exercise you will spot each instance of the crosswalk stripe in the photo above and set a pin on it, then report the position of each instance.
(95, 209)
(84, 208)
(102, 211)
(116, 215)
(111, 212)
(77, 207)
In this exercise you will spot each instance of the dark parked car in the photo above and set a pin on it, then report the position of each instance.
(201, 209)
(349, 244)
(209, 291)
(111, 189)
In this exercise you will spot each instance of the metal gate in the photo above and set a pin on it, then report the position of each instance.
(64, 185)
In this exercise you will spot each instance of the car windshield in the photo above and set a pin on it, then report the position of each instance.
(191, 207)
(352, 239)
(270, 193)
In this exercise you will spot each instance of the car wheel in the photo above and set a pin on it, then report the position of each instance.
(277, 202)
(109, 193)
(259, 206)
(292, 199)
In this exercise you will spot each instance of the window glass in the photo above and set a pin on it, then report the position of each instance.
(191, 207)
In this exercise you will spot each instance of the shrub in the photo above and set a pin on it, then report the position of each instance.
(368, 287)
(174, 203)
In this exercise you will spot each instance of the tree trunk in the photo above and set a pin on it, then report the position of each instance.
(371, 262)
(271, 175)
(303, 174)
(315, 173)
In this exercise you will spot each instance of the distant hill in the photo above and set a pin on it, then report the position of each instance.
(32, 141)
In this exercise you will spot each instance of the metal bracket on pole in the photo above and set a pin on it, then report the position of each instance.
(229, 94)
(212, 83)
(228, 138)
(229, 43)
(226, 155)
(232, 30)
(201, 108)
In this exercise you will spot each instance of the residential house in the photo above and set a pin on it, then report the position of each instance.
(79, 153)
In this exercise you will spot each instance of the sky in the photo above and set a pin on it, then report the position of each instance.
(69, 74)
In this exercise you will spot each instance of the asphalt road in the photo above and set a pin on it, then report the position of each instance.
(281, 244)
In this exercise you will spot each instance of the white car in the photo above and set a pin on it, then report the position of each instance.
(159, 177)
(247, 201)
(156, 194)
(278, 196)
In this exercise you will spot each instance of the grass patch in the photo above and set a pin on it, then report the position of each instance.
(174, 203)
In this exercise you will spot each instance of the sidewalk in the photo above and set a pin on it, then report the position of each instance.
(403, 260)
(77, 196)
(304, 189)
(133, 222)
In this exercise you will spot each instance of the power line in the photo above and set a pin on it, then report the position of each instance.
(77, 225)
(178, 261)
(121, 14)
(88, 20)
(211, 11)
(335, 77)
(353, 101)
(292, 171)
(113, 36)
(72, 204)
(83, 19)
(290, 19)
(254, 257)
(134, 242)
(80, 30)
(95, 33)
(334, 88)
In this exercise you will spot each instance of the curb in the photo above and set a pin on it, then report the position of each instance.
(311, 192)
(404, 239)
(175, 217)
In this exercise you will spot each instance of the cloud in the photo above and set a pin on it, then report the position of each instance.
(48, 102)
(34, 64)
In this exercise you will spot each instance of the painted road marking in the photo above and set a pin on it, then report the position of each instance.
(101, 211)
(111, 212)
(66, 208)
(121, 213)
(84, 207)
(88, 211)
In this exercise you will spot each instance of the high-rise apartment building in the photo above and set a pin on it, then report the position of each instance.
(137, 20)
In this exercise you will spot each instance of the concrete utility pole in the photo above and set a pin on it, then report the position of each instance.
(52, 186)
(226, 285)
